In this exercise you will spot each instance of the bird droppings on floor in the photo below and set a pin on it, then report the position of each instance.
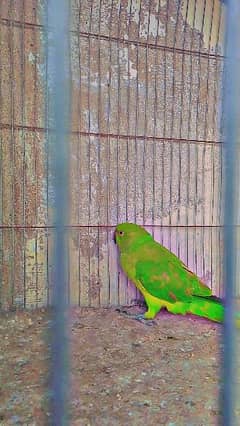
(122, 371)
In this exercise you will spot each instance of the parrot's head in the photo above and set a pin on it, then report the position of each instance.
(127, 235)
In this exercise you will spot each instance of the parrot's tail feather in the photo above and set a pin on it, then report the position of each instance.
(207, 307)
(210, 307)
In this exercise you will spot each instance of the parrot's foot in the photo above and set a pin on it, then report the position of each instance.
(141, 318)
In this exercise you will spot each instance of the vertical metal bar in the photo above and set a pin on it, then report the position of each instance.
(197, 146)
(155, 118)
(118, 115)
(189, 126)
(109, 150)
(213, 148)
(36, 160)
(46, 123)
(12, 152)
(217, 85)
(231, 110)
(79, 145)
(174, 60)
(128, 108)
(146, 83)
(205, 137)
(23, 136)
(181, 124)
(128, 121)
(58, 56)
(89, 153)
(1, 171)
(137, 110)
(165, 118)
(99, 172)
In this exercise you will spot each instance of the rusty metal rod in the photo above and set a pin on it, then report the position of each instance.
(75, 226)
(88, 34)
(108, 135)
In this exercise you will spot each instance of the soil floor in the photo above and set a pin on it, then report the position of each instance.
(123, 372)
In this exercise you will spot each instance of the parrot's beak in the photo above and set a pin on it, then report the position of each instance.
(114, 237)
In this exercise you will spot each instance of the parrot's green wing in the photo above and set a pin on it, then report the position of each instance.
(162, 278)
(169, 279)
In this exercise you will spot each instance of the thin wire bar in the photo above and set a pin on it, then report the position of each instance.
(136, 120)
(181, 121)
(47, 153)
(12, 153)
(98, 142)
(109, 152)
(118, 126)
(79, 106)
(172, 123)
(59, 67)
(205, 127)
(173, 75)
(216, 125)
(136, 115)
(208, 68)
(203, 210)
(128, 109)
(145, 114)
(128, 126)
(164, 113)
(152, 46)
(197, 134)
(110, 135)
(36, 160)
(1, 171)
(73, 226)
(23, 120)
(231, 109)
(155, 119)
(212, 150)
(189, 130)
(89, 154)
(87, 34)
(146, 117)
(216, 91)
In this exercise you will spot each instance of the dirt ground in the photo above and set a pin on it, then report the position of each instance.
(123, 372)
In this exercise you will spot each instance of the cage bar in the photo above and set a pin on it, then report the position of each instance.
(58, 55)
(231, 377)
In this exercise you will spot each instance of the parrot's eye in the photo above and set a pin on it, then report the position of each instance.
(121, 233)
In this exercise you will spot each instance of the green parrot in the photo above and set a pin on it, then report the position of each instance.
(162, 278)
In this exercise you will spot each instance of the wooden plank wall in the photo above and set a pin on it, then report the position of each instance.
(145, 143)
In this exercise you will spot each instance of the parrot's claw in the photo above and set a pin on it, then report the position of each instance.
(138, 317)
(126, 313)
